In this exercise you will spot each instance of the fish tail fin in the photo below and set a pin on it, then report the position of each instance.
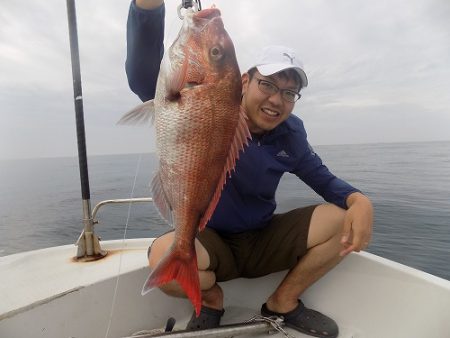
(183, 269)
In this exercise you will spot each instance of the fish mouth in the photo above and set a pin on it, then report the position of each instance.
(207, 18)
(208, 13)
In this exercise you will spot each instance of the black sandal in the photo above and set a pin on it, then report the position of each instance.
(307, 321)
(208, 319)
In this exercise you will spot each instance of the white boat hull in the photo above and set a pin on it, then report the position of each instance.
(44, 293)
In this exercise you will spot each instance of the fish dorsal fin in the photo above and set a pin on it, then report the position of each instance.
(142, 114)
(240, 140)
(160, 199)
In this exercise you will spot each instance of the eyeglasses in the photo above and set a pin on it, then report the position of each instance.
(270, 88)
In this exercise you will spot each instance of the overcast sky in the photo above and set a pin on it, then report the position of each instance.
(379, 71)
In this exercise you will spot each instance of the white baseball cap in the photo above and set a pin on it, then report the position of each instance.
(274, 59)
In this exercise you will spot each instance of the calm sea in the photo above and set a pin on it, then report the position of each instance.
(409, 184)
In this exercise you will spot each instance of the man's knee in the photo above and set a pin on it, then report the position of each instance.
(159, 247)
(157, 251)
(327, 221)
(162, 244)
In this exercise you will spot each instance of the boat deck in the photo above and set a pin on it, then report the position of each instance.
(368, 296)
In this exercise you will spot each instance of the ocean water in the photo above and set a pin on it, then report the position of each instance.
(409, 184)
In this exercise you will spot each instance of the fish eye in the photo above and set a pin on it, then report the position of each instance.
(216, 52)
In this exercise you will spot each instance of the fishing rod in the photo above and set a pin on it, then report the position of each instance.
(88, 243)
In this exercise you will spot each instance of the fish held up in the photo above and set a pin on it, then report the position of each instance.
(200, 130)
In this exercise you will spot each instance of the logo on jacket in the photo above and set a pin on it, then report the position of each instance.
(282, 153)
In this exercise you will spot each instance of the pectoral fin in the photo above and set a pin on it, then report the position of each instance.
(160, 199)
(142, 114)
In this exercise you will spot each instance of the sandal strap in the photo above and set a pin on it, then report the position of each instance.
(291, 314)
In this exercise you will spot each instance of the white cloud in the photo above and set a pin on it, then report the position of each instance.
(378, 71)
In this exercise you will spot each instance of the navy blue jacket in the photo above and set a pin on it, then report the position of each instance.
(248, 198)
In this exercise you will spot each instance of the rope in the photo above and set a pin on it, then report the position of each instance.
(275, 322)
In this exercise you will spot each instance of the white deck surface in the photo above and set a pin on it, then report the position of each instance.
(56, 297)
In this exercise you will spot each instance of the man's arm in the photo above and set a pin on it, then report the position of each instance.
(357, 230)
(145, 48)
(318, 177)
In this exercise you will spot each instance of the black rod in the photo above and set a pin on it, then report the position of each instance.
(78, 99)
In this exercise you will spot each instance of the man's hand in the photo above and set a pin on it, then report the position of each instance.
(358, 222)
(149, 4)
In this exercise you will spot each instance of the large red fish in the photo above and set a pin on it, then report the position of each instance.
(200, 130)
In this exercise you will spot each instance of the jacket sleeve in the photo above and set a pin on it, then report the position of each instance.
(316, 175)
(145, 49)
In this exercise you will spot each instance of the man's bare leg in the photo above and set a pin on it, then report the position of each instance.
(324, 246)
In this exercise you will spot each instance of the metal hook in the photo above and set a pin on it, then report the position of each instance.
(188, 4)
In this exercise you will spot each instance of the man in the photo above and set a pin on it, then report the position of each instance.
(244, 238)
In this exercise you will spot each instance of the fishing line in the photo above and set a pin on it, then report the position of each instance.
(123, 246)
(170, 29)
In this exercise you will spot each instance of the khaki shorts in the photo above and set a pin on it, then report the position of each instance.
(256, 253)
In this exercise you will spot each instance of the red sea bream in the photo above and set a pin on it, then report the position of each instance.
(200, 130)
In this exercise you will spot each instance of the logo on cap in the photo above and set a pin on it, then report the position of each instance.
(289, 57)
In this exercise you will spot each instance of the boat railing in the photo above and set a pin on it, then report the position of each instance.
(88, 243)
(116, 201)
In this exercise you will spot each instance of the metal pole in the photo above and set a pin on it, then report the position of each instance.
(78, 99)
(116, 201)
(87, 243)
(232, 330)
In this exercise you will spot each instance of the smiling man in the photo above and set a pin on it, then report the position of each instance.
(276, 73)
(244, 238)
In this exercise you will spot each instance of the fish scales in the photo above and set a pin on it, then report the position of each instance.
(200, 130)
